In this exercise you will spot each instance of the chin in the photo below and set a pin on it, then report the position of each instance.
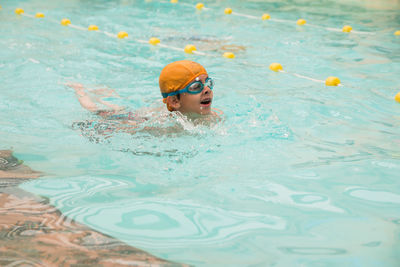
(205, 111)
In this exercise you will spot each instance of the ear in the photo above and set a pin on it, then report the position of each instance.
(174, 102)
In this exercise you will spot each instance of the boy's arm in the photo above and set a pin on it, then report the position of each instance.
(87, 102)
(84, 99)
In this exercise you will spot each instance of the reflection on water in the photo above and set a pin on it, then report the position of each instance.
(33, 233)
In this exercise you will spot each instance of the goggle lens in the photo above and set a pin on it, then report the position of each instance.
(209, 83)
(198, 86)
(195, 87)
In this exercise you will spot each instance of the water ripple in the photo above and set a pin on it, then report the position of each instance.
(141, 221)
(176, 224)
(313, 250)
(374, 195)
(283, 195)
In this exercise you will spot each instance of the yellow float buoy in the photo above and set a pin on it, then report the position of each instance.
(39, 15)
(397, 33)
(199, 6)
(275, 67)
(397, 97)
(189, 49)
(347, 28)
(301, 22)
(154, 41)
(19, 11)
(122, 35)
(174, 1)
(332, 81)
(228, 55)
(265, 16)
(65, 22)
(228, 11)
(93, 28)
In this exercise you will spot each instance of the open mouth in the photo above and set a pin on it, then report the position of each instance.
(206, 102)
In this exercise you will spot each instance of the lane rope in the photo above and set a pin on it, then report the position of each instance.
(191, 49)
(231, 12)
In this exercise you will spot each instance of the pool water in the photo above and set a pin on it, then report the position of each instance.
(297, 174)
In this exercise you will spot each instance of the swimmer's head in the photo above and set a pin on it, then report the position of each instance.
(186, 87)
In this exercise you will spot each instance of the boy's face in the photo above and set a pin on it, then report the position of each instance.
(196, 103)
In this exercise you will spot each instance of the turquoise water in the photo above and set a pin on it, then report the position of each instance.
(298, 174)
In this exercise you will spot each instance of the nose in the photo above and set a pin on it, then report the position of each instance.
(206, 90)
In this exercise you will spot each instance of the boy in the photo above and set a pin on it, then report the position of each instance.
(184, 85)
(185, 88)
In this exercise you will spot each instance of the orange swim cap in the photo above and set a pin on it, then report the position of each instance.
(178, 74)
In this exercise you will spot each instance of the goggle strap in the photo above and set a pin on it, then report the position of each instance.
(164, 95)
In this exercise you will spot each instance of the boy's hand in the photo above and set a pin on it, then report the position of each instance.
(79, 89)
(74, 85)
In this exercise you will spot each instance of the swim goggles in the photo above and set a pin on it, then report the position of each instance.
(193, 88)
